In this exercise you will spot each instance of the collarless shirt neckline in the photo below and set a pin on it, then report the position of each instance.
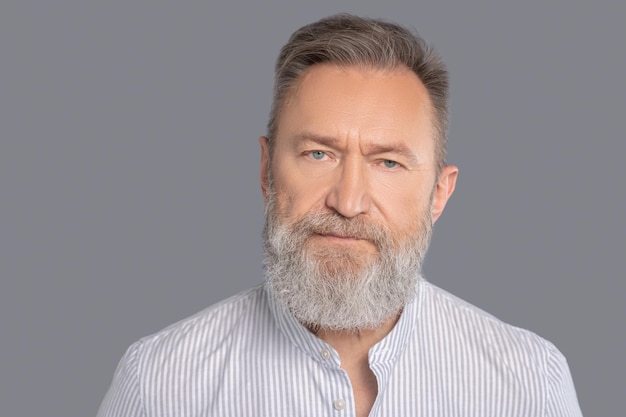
(388, 349)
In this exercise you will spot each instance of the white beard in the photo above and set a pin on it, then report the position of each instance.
(335, 288)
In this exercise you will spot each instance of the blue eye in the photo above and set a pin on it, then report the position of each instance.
(388, 163)
(318, 155)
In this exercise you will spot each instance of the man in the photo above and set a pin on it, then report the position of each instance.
(353, 174)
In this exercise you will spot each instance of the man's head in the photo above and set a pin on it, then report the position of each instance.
(352, 172)
(350, 41)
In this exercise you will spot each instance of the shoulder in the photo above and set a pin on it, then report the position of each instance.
(187, 353)
(205, 331)
(514, 346)
(216, 319)
(508, 356)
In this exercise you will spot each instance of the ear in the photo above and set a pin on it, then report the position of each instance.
(265, 159)
(444, 189)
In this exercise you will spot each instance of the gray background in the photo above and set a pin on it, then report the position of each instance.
(129, 193)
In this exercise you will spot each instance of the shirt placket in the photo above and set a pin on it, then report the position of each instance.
(339, 396)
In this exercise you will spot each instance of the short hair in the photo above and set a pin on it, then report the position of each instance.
(348, 40)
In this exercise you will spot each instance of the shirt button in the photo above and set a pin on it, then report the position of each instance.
(326, 354)
(339, 404)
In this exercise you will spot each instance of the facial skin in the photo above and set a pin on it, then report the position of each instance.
(356, 145)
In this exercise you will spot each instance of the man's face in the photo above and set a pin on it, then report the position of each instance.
(353, 173)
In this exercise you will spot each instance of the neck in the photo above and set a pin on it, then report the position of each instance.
(355, 343)
(353, 348)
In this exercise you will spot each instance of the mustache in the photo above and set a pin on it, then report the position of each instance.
(328, 223)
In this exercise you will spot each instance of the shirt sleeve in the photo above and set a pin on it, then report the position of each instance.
(562, 399)
(123, 398)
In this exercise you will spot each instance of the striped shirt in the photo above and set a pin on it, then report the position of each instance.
(247, 357)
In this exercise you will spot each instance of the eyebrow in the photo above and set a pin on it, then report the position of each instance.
(329, 141)
(373, 148)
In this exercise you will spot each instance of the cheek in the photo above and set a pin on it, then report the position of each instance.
(402, 204)
(296, 196)
(298, 191)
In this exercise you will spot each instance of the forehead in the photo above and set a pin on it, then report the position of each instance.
(367, 103)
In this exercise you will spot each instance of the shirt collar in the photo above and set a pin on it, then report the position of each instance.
(388, 349)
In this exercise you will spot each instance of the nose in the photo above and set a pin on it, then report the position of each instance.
(349, 195)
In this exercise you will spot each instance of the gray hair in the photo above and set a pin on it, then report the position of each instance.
(348, 40)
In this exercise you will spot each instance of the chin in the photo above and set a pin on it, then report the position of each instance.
(342, 265)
